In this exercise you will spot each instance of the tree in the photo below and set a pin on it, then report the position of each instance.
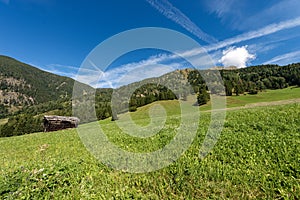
(114, 115)
(184, 96)
(260, 85)
(202, 97)
(267, 83)
(228, 88)
(132, 104)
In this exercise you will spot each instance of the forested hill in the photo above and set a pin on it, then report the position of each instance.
(22, 84)
(258, 78)
(181, 83)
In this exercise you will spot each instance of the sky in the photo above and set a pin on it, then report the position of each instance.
(58, 35)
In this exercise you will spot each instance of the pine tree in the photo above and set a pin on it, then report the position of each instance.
(203, 97)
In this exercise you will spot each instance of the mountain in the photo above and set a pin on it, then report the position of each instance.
(22, 84)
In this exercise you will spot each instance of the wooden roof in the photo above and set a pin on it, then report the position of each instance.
(74, 120)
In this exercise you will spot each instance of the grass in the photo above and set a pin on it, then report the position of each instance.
(141, 117)
(264, 96)
(256, 157)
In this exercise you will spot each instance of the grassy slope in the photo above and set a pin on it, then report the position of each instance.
(265, 96)
(257, 156)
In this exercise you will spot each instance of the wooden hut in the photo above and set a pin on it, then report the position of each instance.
(55, 123)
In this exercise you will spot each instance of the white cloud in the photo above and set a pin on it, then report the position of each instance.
(142, 73)
(236, 56)
(154, 66)
(171, 12)
(91, 79)
(83, 75)
(137, 71)
(222, 8)
(245, 15)
(267, 30)
(285, 58)
(62, 70)
(281, 10)
(263, 47)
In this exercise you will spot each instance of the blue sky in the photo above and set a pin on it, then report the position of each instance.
(57, 35)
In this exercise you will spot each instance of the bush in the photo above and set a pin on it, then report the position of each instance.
(132, 108)
(203, 97)
(21, 124)
(253, 92)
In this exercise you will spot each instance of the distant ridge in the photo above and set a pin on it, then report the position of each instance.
(224, 68)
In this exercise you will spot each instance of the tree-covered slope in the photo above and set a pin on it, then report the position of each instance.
(32, 82)
(22, 84)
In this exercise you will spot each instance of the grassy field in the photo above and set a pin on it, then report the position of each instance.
(257, 156)
(265, 96)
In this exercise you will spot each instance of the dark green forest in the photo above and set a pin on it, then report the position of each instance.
(52, 93)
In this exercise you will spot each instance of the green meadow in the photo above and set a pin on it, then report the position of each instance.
(264, 96)
(256, 157)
